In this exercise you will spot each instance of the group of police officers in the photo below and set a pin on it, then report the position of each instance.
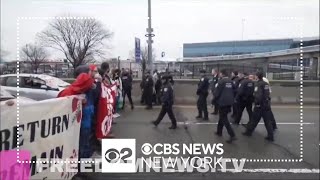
(234, 93)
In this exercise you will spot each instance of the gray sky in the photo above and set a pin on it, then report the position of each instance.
(174, 21)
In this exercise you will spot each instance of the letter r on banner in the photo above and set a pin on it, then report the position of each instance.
(118, 155)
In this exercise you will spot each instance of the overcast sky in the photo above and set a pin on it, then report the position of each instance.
(174, 21)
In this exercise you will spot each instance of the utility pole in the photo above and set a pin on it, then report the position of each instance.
(150, 35)
(118, 62)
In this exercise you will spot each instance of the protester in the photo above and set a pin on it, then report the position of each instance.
(84, 84)
(119, 98)
(106, 105)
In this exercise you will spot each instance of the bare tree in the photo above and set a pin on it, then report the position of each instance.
(35, 55)
(80, 40)
(3, 53)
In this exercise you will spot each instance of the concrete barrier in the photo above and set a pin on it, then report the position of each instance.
(283, 91)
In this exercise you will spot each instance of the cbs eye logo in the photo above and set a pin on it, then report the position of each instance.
(118, 155)
(114, 156)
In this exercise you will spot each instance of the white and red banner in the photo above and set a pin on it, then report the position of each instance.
(47, 129)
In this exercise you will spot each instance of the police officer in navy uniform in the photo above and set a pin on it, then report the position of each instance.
(213, 82)
(167, 99)
(202, 92)
(235, 78)
(127, 87)
(262, 108)
(244, 98)
(224, 97)
(148, 89)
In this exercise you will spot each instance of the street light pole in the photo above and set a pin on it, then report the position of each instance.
(149, 35)
(118, 62)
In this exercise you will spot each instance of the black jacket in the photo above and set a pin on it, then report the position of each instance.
(236, 81)
(245, 90)
(224, 92)
(213, 83)
(126, 82)
(262, 93)
(148, 83)
(203, 86)
(167, 94)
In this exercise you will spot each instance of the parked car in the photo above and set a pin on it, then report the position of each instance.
(7, 98)
(33, 86)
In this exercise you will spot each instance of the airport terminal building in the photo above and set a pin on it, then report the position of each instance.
(242, 47)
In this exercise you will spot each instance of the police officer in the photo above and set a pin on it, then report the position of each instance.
(262, 108)
(213, 82)
(157, 88)
(244, 98)
(167, 98)
(148, 89)
(127, 87)
(223, 96)
(273, 120)
(235, 78)
(202, 92)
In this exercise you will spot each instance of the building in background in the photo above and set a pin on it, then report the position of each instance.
(243, 47)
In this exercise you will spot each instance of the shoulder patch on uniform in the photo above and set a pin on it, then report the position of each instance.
(229, 85)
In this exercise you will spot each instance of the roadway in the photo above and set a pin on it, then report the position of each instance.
(286, 147)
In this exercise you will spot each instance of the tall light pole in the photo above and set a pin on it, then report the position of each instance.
(118, 62)
(150, 35)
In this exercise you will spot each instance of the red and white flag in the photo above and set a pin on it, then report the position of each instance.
(105, 110)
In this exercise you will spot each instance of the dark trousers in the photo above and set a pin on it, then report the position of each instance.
(234, 109)
(85, 146)
(215, 106)
(128, 93)
(223, 120)
(266, 114)
(148, 97)
(158, 96)
(164, 110)
(202, 105)
(273, 120)
(142, 101)
(240, 107)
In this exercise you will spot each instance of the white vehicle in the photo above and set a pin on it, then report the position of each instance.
(33, 86)
(5, 97)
